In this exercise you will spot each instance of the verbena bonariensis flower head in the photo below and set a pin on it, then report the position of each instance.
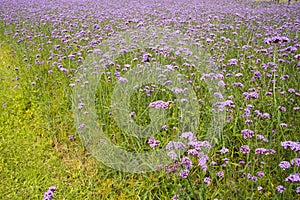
(294, 178)
(160, 104)
(294, 146)
(284, 165)
(277, 39)
(247, 133)
(280, 188)
(49, 194)
(245, 149)
(153, 143)
(184, 173)
(296, 161)
(186, 162)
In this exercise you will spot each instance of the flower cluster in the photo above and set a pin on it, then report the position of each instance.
(194, 150)
(49, 194)
(247, 133)
(250, 95)
(277, 39)
(160, 104)
(153, 143)
(294, 146)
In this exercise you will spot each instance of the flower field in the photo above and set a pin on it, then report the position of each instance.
(149, 99)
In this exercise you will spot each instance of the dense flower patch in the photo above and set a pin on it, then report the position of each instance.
(255, 50)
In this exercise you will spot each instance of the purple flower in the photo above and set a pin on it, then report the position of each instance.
(259, 188)
(282, 108)
(248, 121)
(294, 178)
(49, 194)
(257, 112)
(71, 137)
(132, 114)
(206, 180)
(188, 135)
(254, 178)
(81, 126)
(272, 151)
(296, 161)
(266, 115)
(146, 57)
(202, 162)
(247, 133)
(80, 105)
(173, 155)
(52, 188)
(267, 40)
(276, 39)
(261, 151)
(220, 174)
(153, 143)
(250, 95)
(186, 162)
(160, 104)
(232, 62)
(122, 80)
(170, 145)
(172, 168)
(184, 173)
(224, 150)
(291, 90)
(226, 160)
(213, 163)
(198, 144)
(283, 124)
(257, 74)
(260, 174)
(218, 95)
(280, 188)
(294, 146)
(193, 152)
(118, 74)
(298, 190)
(64, 70)
(247, 113)
(249, 176)
(179, 145)
(175, 89)
(260, 137)
(238, 84)
(245, 149)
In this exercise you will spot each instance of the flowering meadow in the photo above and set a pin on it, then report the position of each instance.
(227, 120)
